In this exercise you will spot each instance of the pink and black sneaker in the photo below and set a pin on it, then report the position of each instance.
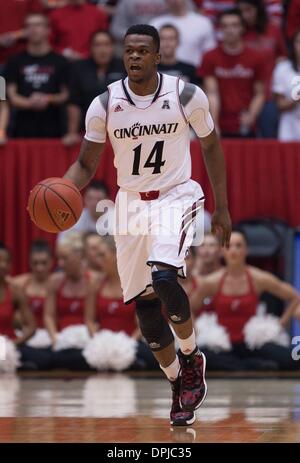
(178, 417)
(193, 387)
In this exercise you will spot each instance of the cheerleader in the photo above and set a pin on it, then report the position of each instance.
(235, 291)
(35, 283)
(105, 308)
(12, 300)
(64, 304)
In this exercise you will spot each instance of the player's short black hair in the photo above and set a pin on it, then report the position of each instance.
(230, 12)
(4, 248)
(40, 246)
(98, 185)
(145, 29)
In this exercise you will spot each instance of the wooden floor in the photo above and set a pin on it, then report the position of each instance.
(120, 408)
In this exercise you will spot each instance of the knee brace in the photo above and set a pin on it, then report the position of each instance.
(174, 297)
(153, 325)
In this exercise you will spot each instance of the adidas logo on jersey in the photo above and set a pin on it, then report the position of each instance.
(118, 108)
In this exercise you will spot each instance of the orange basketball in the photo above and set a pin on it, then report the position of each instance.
(55, 204)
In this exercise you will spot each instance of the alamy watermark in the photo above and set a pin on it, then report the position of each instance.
(296, 350)
(2, 89)
(138, 217)
(2, 348)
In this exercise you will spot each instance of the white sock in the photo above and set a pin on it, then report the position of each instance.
(188, 345)
(172, 370)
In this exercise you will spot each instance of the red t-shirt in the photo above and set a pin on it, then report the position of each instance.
(12, 16)
(236, 75)
(271, 44)
(74, 25)
(293, 18)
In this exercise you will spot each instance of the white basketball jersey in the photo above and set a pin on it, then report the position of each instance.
(152, 144)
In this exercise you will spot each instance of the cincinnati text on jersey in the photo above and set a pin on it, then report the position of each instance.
(137, 130)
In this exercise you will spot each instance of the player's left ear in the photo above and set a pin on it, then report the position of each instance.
(157, 58)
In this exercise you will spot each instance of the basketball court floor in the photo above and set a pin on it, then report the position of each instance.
(120, 408)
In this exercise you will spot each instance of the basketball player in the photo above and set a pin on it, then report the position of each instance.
(147, 117)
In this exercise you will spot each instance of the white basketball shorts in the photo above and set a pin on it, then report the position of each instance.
(155, 231)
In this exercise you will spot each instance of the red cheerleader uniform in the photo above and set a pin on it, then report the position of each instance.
(36, 304)
(7, 315)
(234, 311)
(114, 315)
(69, 310)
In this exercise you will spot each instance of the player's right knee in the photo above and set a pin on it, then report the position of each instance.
(153, 325)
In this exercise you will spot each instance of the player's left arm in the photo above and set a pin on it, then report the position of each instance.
(199, 117)
(215, 167)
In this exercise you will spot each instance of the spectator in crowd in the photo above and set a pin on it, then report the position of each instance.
(4, 120)
(234, 80)
(65, 300)
(34, 283)
(12, 33)
(235, 290)
(89, 78)
(130, 12)
(169, 64)
(212, 8)
(51, 4)
(263, 35)
(293, 18)
(286, 88)
(109, 6)
(73, 27)
(92, 255)
(105, 308)
(96, 191)
(37, 84)
(195, 30)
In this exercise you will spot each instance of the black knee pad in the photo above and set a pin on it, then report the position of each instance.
(154, 326)
(174, 297)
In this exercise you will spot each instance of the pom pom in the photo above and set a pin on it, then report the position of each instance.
(9, 356)
(210, 334)
(110, 351)
(261, 329)
(40, 339)
(72, 337)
